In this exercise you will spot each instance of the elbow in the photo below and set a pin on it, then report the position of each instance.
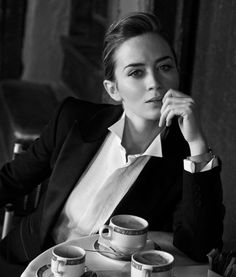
(197, 248)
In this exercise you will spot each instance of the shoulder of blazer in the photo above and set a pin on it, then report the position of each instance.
(72, 108)
(92, 117)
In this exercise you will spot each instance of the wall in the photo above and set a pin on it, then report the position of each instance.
(118, 8)
(12, 18)
(46, 21)
(213, 87)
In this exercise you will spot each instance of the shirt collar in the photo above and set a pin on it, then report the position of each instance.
(154, 149)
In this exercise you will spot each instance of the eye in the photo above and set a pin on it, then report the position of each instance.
(165, 67)
(136, 73)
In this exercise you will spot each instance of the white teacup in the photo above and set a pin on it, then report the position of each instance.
(152, 263)
(126, 233)
(68, 261)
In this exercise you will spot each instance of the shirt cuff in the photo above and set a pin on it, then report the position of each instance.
(194, 167)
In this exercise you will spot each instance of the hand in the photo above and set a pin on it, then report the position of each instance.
(183, 106)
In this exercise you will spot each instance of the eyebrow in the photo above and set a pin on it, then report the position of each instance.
(141, 64)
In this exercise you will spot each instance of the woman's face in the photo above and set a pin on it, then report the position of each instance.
(145, 70)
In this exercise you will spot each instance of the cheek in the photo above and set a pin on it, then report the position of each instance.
(171, 82)
(130, 92)
(132, 97)
(175, 81)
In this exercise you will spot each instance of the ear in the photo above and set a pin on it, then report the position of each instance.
(112, 90)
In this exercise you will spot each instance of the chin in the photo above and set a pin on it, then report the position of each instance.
(154, 116)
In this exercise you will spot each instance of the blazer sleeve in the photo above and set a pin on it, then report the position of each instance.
(198, 220)
(21, 175)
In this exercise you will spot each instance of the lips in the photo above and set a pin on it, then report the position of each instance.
(154, 99)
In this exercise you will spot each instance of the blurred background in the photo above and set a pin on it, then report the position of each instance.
(51, 49)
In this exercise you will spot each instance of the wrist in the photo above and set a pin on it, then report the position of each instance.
(198, 147)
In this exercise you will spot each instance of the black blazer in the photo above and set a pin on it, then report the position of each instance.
(168, 197)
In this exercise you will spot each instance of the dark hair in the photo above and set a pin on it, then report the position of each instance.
(134, 24)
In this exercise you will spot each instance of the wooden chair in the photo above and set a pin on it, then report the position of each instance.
(24, 205)
(30, 106)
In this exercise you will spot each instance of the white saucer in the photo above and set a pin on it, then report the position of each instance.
(45, 271)
(150, 245)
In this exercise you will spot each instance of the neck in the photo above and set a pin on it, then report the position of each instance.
(138, 135)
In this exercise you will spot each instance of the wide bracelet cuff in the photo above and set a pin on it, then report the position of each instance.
(202, 158)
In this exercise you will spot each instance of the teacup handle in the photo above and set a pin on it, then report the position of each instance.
(107, 236)
(59, 264)
(147, 271)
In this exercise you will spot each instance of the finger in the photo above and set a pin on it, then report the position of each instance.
(164, 114)
(175, 97)
(180, 112)
(174, 110)
(162, 120)
(177, 101)
(174, 93)
(169, 117)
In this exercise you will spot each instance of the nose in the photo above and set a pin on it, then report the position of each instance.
(153, 81)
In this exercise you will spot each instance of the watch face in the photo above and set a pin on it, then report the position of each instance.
(193, 167)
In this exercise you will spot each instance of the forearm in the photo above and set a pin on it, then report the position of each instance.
(21, 176)
(198, 224)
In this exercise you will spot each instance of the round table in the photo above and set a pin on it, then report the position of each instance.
(105, 266)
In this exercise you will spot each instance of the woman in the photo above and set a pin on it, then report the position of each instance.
(105, 159)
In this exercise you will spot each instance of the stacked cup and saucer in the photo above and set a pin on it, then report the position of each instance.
(125, 239)
(125, 235)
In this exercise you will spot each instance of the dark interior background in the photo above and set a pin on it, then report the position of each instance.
(203, 34)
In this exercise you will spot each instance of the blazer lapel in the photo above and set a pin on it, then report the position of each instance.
(81, 145)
